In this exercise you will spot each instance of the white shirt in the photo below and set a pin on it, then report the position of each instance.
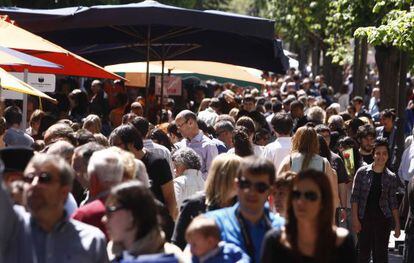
(159, 149)
(406, 169)
(186, 185)
(257, 150)
(208, 116)
(278, 150)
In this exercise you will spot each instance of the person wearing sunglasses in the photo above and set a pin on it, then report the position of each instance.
(43, 232)
(245, 223)
(132, 222)
(309, 234)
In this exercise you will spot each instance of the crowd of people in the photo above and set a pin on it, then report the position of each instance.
(288, 173)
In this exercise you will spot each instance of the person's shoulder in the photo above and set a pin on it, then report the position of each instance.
(277, 220)
(161, 148)
(222, 213)
(92, 207)
(86, 231)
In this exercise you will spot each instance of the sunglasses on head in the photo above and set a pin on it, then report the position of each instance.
(308, 195)
(260, 187)
(44, 177)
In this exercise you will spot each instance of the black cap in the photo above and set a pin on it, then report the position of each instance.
(16, 158)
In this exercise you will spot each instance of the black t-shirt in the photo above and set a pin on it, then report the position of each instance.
(373, 209)
(274, 251)
(368, 159)
(159, 173)
(339, 166)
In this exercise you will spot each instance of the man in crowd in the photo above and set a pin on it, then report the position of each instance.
(129, 139)
(276, 151)
(297, 112)
(360, 110)
(43, 233)
(142, 125)
(194, 138)
(105, 170)
(246, 223)
(14, 136)
(224, 132)
(366, 138)
(209, 115)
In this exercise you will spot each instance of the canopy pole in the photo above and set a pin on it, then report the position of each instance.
(24, 113)
(162, 86)
(147, 77)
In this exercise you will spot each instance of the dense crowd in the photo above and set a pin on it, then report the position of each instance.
(289, 173)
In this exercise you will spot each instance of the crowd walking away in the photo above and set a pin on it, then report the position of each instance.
(290, 172)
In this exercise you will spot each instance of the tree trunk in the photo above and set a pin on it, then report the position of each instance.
(303, 55)
(402, 102)
(316, 56)
(360, 64)
(333, 73)
(388, 62)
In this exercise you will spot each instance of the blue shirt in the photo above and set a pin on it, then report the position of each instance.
(231, 232)
(224, 253)
(204, 147)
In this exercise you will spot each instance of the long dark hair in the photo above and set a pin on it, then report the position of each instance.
(325, 242)
(324, 150)
(162, 138)
(138, 199)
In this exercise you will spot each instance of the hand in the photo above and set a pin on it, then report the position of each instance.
(397, 232)
(356, 225)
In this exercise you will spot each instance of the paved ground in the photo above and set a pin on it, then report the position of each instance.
(394, 258)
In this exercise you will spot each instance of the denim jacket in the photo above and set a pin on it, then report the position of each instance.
(362, 185)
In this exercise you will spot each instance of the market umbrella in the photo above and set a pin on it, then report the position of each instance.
(10, 82)
(170, 32)
(14, 37)
(149, 30)
(10, 57)
(210, 68)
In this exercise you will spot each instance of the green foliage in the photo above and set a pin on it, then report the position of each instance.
(396, 28)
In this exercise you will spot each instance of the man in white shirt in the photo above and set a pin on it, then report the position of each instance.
(276, 151)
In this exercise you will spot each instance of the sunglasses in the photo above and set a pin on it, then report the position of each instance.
(44, 177)
(308, 195)
(259, 187)
(112, 209)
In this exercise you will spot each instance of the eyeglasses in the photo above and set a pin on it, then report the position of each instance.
(259, 187)
(182, 124)
(308, 195)
(44, 177)
(112, 209)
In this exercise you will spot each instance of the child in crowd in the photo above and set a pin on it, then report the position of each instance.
(282, 187)
(203, 236)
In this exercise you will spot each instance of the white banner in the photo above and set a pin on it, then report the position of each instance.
(172, 86)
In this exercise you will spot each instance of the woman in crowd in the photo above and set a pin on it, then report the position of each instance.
(79, 105)
(305, 155)
(219, 192)
(374, 206)
(34, 123)
(241, 142)
(309, 235)
(134, 233)
(160, 137)
(188, 180)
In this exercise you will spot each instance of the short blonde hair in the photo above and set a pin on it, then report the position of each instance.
(221, 176)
